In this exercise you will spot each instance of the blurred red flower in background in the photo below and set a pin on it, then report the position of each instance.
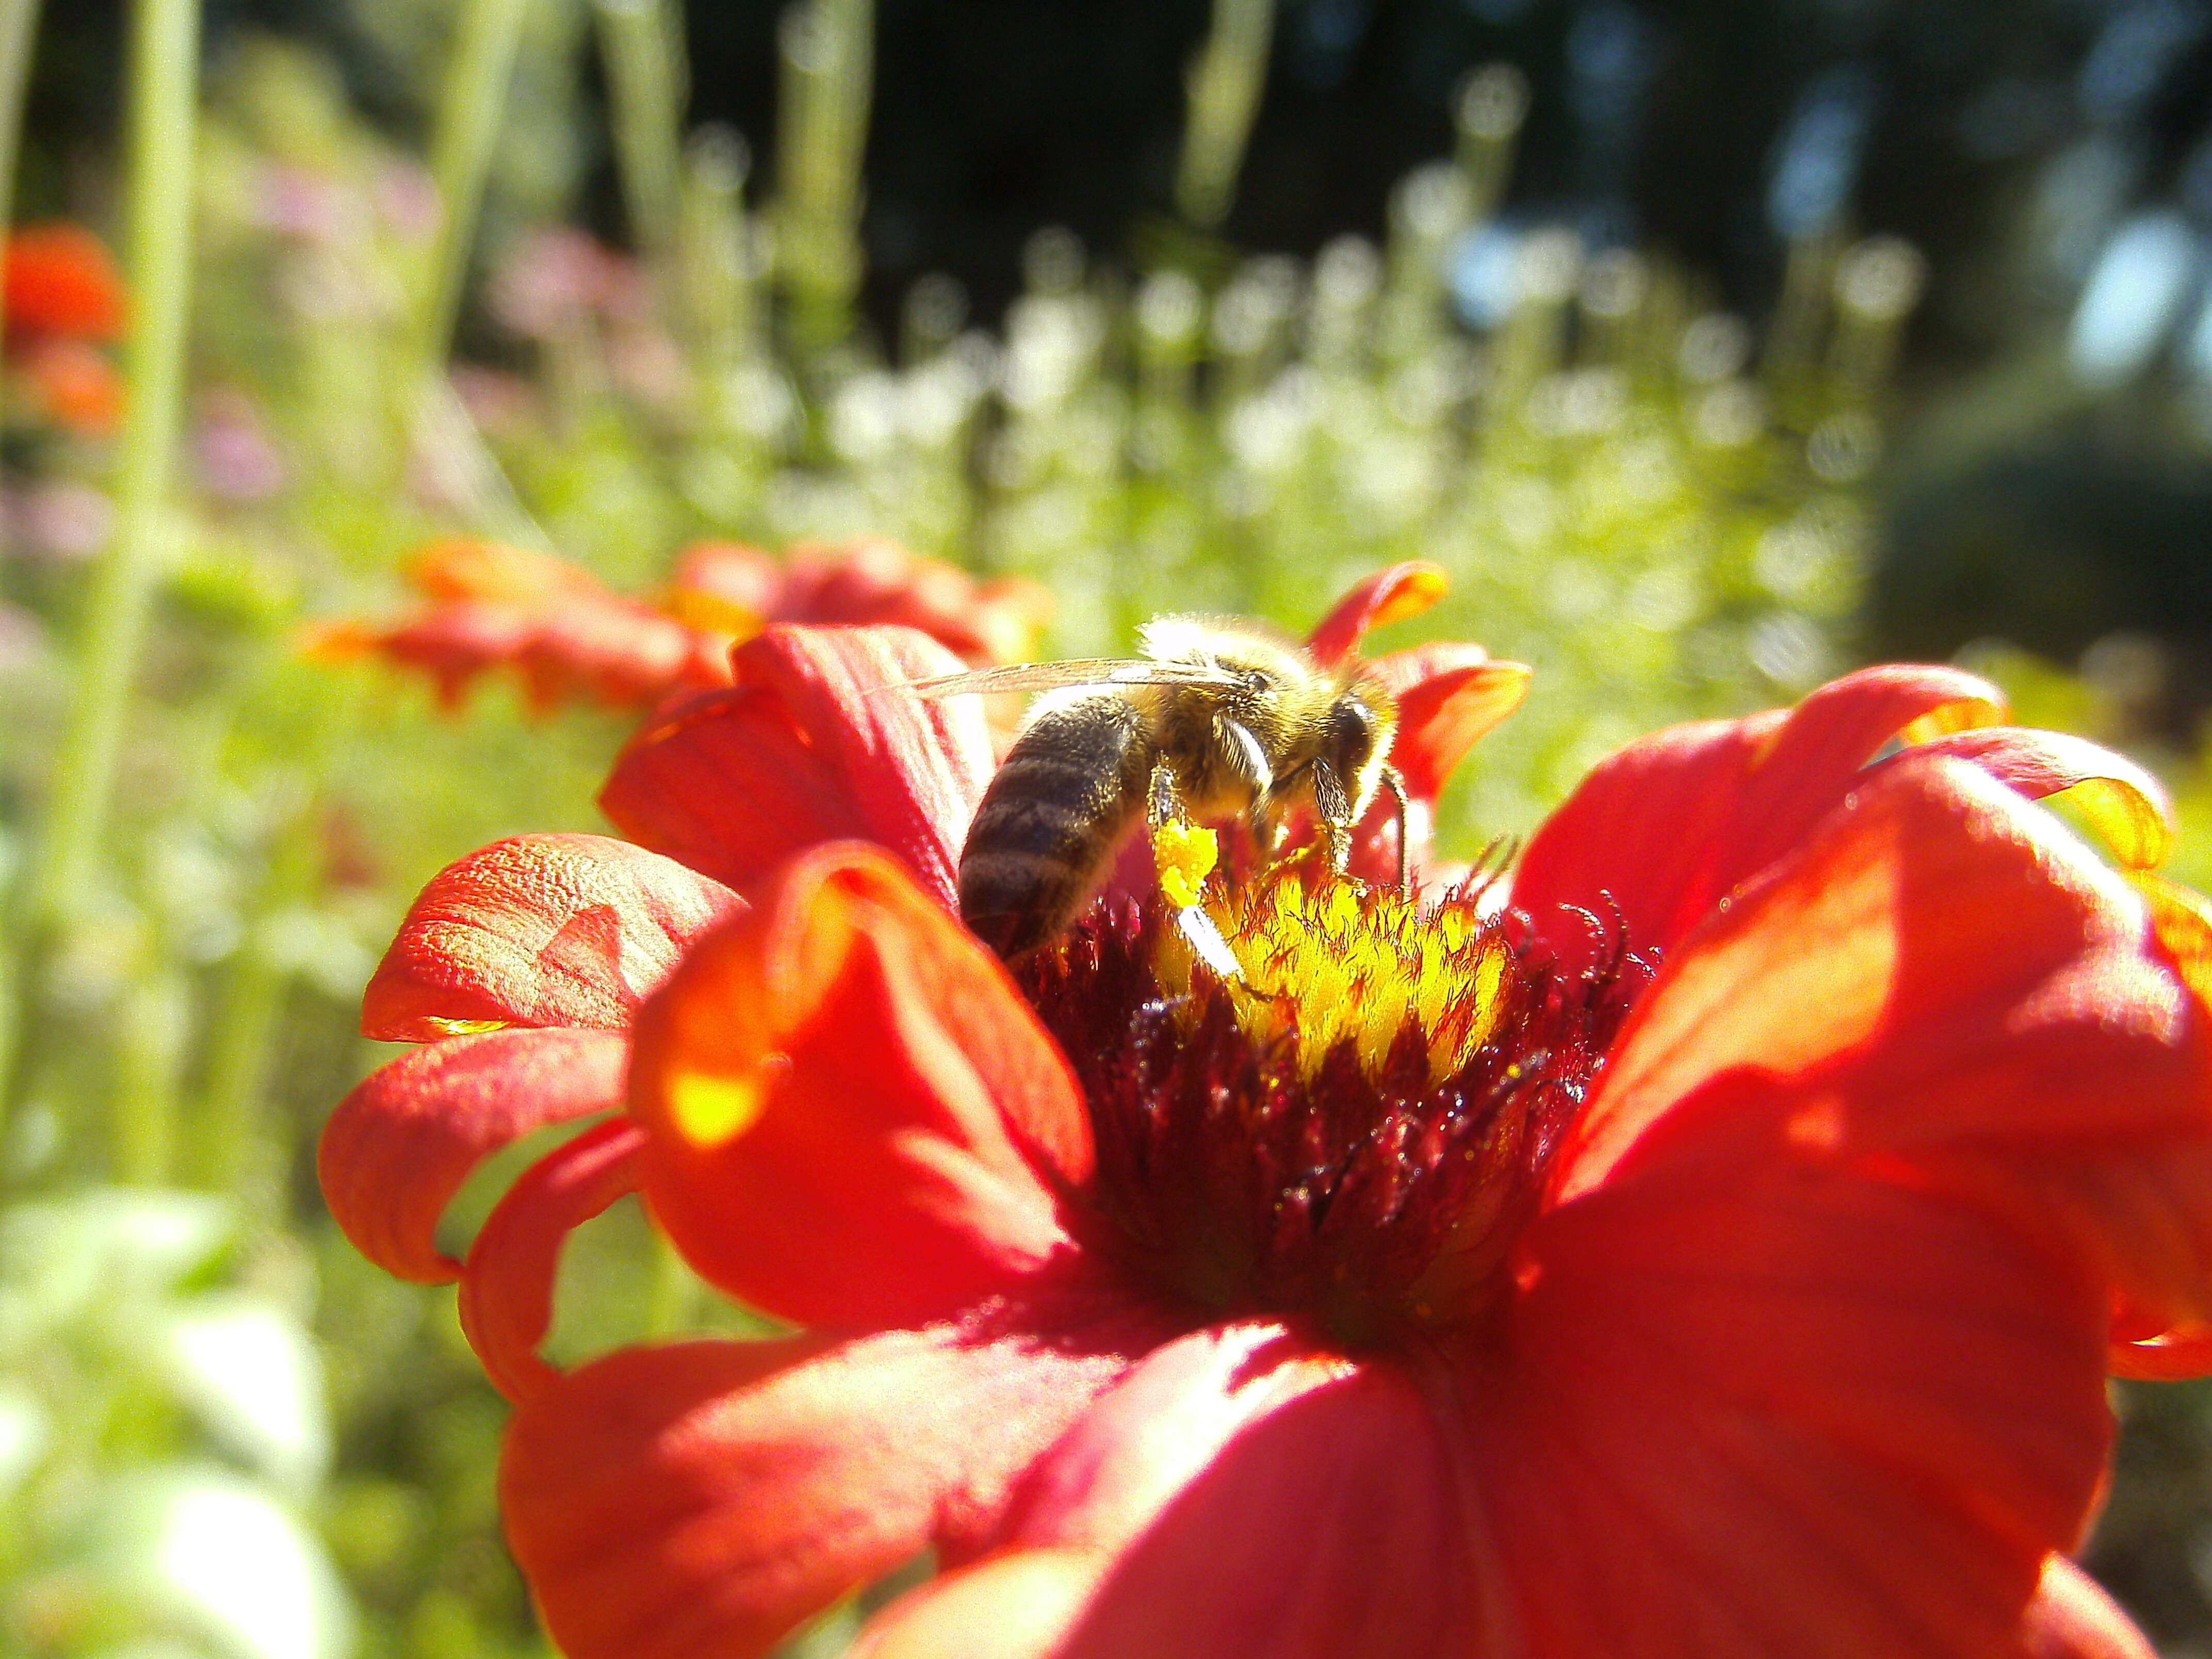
(65, 299)
(570, 636)
(1717, 1248)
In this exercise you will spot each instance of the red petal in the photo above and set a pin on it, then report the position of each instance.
(1449, 696)
(60, 280)
(2071, 1618)
(809, 748)
(878, 581)
(856, 1120)
(1634, 848)
(699, 1501)
(454, 645)
(540, 931)
(1238, 1497)
(611, 649)
(566, 634)
(1754, 1405)
(398, 1147)
(2125, 804)
(1660, 831)
(2174, 1356)
(506, 1288)
(1942, 975)
(1387, 595)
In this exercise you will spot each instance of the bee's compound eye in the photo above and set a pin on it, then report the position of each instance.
(1352, 724)
(1257, 683)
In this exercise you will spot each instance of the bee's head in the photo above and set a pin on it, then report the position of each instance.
(1361, 723)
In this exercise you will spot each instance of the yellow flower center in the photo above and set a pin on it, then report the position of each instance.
(1322, 964)
(1316, 1099)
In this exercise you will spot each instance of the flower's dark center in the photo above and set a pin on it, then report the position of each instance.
(1352, 1126)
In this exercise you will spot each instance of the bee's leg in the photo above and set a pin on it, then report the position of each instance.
(1266, 828)
(1164, 798)
(1396, 785)
(1334, 808)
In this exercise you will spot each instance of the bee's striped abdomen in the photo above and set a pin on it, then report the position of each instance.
(1050, 819)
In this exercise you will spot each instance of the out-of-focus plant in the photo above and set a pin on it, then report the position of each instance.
(164, 1433)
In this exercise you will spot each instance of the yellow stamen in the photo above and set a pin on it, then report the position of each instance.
(1186, 854)
(1338, 962)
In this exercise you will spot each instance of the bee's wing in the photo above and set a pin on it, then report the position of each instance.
(1057, 675)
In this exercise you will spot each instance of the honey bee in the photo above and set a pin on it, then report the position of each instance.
(1219, 720)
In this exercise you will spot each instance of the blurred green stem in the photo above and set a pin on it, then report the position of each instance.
(163, 78)
(1790, 363)
(18, 21)
(713, 262)
(646, 80)
(242, 1043)
(153, 1035)
(1491, 105)
(828, 71)
(18, 31)
(489, 34)
(1224, 83)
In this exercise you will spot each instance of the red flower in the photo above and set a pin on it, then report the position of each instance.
(570, 636)
(59, 280)
(1716, 1251)
(63, 299)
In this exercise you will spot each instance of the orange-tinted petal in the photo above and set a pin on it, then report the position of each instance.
(879, 582)
(460, 569)
(2169, 1356)
(495, 606)
(2124, 804)
(455, 644)
(1657, 833)
(59, 279)
(855, 1118)
(1238, 1496)
(617, 651)
(506, 1285)
(725, 585)
(2182, 918)
(76, 384)
(807, 749)
(540, 931)
(696, 1502)
(398, 1147)
(1756, 1404)
(2071, 1618)
(1387, 595)
(1944, 979)
(1449, 697)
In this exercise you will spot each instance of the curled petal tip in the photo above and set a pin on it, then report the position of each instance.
(1387, 595)
(401, 1144)
(853, 1115)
